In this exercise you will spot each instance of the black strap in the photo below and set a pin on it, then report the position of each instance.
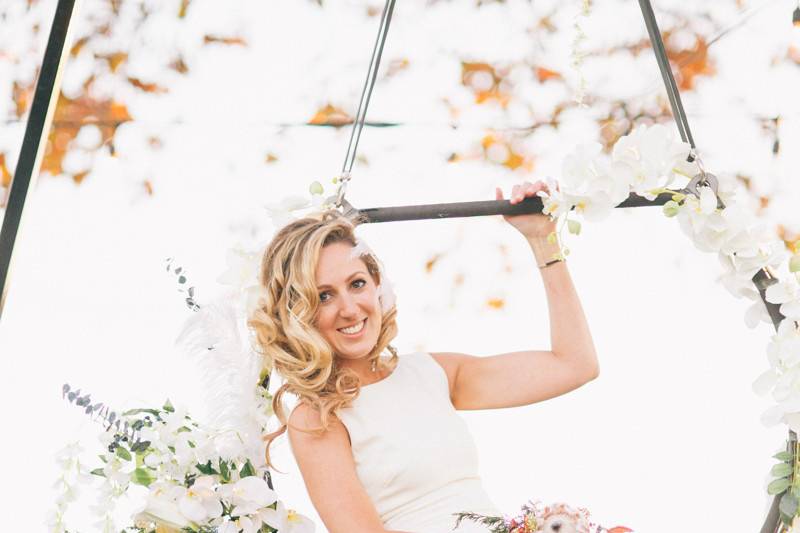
(366, 92)
(666, 73)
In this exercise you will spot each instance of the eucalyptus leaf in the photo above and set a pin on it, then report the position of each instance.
(168, 407)
(778, 486)
(781, 470)
(64, 389)
(142, 476)
(783, 456)
(123, 453)
(98, 472)
(788, 504)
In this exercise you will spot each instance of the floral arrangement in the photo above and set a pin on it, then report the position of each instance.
(537, 518)
(194, 479)
(188, 476)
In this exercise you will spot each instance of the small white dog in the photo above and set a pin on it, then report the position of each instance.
(561, 518)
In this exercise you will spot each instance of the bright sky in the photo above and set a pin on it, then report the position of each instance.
(669, 433)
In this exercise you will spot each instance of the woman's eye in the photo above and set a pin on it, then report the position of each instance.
(323, 297)
(361, 281)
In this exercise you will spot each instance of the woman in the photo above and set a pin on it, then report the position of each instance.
(376, 438)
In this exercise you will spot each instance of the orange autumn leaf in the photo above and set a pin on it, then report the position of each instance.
(496, 303)
(691, 63)
(544, 74)
(5, 174)
(114, 60)
(430, 263)
(271, 158)
(146, 87)
(148, 187)
(179, 65)
(330, 116)
(184, 7)
(485, 81)
(21, 95)
(216, 39)
(500, 151)
(70, 115)
(620, 529)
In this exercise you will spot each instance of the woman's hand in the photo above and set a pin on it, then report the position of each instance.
(533, 226)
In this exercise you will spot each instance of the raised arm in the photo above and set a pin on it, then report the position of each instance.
(525, 377)
(329, 472)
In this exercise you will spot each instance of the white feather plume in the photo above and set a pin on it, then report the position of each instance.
(230, 374)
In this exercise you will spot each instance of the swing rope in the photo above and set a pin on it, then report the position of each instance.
(363, 104)
(666, 73)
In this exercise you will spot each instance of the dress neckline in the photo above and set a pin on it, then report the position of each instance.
(387, 378)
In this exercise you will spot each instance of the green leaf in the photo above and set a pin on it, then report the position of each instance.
(671, 208)
(143, 476)
(247, 470)
(206, 469)
(123, 453)
(98, 472)
(224, 471)
(778, 486)
(794, 263)
(131, 412)
(168, 407)
(574, 227)
(316, 188)
(781, 470)
(788, 504)
(783, 456)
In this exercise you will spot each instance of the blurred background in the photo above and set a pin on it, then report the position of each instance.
(179, 120)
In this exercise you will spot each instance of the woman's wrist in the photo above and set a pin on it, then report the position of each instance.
(544, 250)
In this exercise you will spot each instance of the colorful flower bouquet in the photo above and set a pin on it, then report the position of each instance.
(537, 518)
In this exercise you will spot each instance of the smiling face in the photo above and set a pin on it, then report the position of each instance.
(349, 314)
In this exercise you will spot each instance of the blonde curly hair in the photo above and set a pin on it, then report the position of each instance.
(283, 325)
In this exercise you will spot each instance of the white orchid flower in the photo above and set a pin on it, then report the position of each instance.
(782, 292)
(281, 212)
(248, 495)
(200, 502)
(286, 521)
(161, 507)
(242, 268)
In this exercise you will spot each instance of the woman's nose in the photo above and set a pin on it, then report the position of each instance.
(349, 306)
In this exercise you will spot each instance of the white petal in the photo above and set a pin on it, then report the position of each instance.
(764, 383)
(772, 416)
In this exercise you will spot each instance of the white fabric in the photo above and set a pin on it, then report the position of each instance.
(414, 453)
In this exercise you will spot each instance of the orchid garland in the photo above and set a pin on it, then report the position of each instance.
(646, 162)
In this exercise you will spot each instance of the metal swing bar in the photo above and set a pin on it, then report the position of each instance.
(461, 209)
(40, 118)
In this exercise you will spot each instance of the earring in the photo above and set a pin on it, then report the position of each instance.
(374, 365)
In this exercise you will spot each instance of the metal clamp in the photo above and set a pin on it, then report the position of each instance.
(706, 179)
(340, 192)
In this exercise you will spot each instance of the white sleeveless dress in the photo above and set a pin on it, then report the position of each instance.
(414, 453)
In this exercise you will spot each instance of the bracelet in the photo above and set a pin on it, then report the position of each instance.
(553, 262)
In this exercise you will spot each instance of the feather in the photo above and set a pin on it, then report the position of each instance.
(216, 338)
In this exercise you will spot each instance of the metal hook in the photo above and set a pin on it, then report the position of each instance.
(706, 179)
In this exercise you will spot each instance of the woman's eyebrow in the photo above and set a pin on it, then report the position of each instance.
(354, 274)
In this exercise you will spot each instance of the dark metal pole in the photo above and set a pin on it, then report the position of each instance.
(45, 99)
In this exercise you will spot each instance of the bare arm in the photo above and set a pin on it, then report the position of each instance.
(526, 377)
(329, 473)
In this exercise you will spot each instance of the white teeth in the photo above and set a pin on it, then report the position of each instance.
(353, 329)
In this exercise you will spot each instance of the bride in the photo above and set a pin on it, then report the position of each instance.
(376, 436)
